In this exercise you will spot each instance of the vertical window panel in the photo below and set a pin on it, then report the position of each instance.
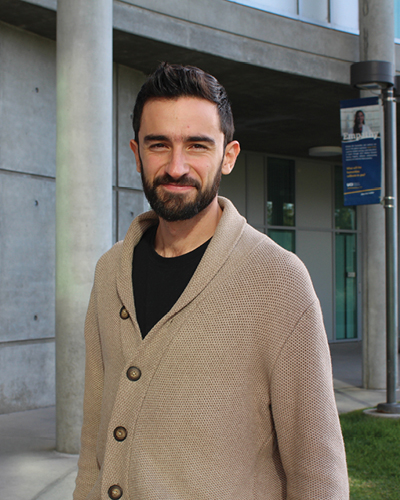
(346, 286)
(317, 10)
(286, 239)
(397, 18)
(280, 192)
(344, 14)
(345, 264)
(284, 6)
(336, 14)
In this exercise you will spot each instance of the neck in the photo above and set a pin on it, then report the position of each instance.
(180, 237)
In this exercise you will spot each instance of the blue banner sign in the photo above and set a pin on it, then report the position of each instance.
(361, 127)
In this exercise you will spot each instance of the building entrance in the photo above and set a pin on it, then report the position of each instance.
(346, 286)
(346, 296)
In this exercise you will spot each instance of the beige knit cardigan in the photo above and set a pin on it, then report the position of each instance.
(235, 397)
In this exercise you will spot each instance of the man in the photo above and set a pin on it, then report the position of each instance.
(208, 372)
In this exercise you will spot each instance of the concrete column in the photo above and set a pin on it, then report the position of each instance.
(83, 190)
(374, 305)
(376, 19)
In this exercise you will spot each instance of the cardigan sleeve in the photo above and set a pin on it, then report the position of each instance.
(88, 468)
(305, 416)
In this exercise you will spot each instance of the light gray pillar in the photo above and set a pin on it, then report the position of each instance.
(374, 305)
(83, 190)
(376, 43)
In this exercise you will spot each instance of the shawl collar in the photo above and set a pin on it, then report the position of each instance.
(226, 236)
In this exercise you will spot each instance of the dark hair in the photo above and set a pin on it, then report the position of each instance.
(170, 81)
(359, 111)
(356, 128)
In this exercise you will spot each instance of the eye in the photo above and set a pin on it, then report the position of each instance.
(158, 145)
(198, 146)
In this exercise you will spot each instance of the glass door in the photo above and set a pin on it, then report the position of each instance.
(346, 286)
(345, 265)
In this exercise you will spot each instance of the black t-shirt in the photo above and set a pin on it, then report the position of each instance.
(158, 282)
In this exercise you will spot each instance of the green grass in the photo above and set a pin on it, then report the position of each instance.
(373, 456)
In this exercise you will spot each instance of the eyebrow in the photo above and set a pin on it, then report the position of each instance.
(152, 137)
(200, 138)
(192, 138)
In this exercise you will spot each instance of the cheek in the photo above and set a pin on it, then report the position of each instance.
(204, 171)
(152, 165)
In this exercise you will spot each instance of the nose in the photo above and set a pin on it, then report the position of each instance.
(177, 165)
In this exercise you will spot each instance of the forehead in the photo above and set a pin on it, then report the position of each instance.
(196, 114)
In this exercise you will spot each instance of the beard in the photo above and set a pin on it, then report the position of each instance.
(175, 206)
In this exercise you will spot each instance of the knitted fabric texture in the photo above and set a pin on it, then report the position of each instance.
(235, 398)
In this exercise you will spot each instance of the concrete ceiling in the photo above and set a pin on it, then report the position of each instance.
(276, 112)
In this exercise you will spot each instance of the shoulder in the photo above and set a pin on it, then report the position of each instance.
(121, 253)
(111, 256)
(260, 259)
(271, 267)
(265, 252)
(107, 265)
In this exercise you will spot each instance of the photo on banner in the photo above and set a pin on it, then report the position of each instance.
(361, 122)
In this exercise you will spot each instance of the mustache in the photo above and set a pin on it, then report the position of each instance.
(184, 180)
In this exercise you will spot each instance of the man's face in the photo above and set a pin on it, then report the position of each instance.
(181, 156)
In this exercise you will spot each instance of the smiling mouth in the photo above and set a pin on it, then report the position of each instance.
(178, 187)
(181, 184)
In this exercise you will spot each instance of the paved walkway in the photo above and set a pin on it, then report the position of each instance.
(30, 469)
(347, 379)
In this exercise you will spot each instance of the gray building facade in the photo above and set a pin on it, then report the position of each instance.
(285, 72)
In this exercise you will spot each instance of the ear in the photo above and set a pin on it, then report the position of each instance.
(232, 151)
(135, 148)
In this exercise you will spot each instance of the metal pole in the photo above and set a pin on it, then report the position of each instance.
(390, 204)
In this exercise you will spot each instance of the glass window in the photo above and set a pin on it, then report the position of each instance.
(345, 217)
(280, 192)
(344, 14)
(345, 264)
(316, 10)
(285, 239)
(346, 286)
(397, 18)
(284, 6)
(337, 14)
(280, 204)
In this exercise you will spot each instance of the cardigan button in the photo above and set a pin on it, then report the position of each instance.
(120, 433)
(133, 373)
(115, 492)
(124, 313)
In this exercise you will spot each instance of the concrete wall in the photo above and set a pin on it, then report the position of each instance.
(27, 209)
(242, 34)
(230, 30)
(128, 195)
(27, 219)
(315, 237)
